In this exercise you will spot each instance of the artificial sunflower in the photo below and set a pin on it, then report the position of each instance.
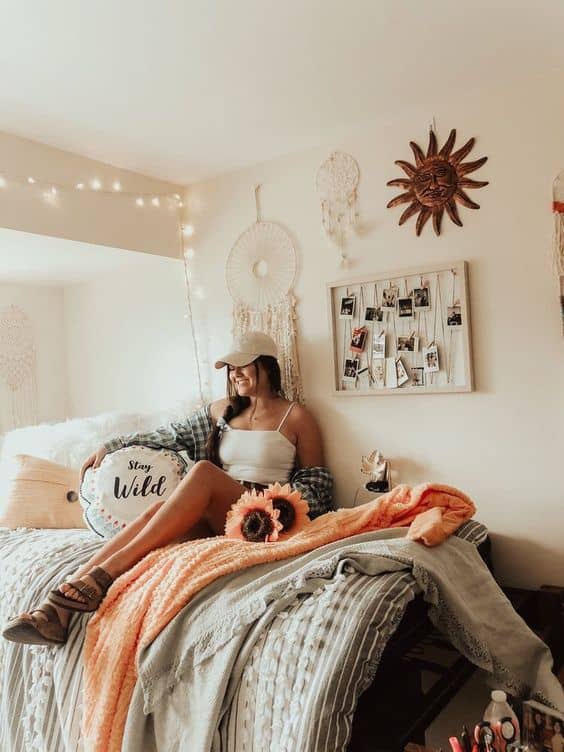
(293, 509)
(253, 518)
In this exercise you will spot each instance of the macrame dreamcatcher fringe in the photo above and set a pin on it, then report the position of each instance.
(18, 368)
(279, 321)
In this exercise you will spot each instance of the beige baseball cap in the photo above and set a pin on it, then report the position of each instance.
(248, 347)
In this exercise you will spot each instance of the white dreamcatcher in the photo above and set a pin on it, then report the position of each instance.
(337, 184)
(18, 367)
(260, 274)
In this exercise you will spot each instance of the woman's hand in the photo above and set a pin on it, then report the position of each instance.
(93, 461)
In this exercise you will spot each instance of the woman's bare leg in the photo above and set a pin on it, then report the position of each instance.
(206, 493)
(110, 547)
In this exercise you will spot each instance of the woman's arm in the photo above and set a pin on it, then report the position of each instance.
(188, 436)
(311, 478)
(309, 445)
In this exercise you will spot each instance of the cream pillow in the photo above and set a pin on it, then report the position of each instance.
(40, 494)
(127, 483)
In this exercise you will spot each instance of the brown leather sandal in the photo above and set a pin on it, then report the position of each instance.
(30, 630)
(90, 597)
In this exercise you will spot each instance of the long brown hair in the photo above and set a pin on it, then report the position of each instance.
(237, 403)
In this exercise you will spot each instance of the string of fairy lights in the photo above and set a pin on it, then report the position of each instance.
(186, 231)
(49, 190)
(51, 193)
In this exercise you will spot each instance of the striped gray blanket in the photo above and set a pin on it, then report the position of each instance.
(40, 687)
(292, 683)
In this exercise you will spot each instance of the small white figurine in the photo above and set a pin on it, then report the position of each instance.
(377, 468)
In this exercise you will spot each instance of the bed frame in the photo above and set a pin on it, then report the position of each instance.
(396, 709)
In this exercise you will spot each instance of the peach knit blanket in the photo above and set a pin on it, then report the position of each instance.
(143, 600)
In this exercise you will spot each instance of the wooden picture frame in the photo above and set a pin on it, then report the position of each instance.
(448, 288)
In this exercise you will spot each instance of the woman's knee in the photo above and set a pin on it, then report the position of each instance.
(202, 468)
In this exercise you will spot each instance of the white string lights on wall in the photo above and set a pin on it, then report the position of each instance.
(188, 254)
(47, 189)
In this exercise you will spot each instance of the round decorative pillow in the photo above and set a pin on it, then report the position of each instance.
(127, 483)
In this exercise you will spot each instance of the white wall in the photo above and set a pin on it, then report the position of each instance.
(45, 308)
(502, 444)
(128, 343)
(118, 342)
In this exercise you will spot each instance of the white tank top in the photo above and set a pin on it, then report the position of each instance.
(257, 456)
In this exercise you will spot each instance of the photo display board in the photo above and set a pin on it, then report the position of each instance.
(402, 332)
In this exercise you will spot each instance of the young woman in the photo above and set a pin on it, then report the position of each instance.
(250, 439)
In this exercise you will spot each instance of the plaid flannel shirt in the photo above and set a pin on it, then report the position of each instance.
(314, 483)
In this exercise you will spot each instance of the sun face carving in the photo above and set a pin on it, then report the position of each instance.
(435, 183)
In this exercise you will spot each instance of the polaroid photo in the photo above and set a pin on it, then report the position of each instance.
(389, 298)
(454, 316)
(421, 298)
(542, 727)
(405, 308)
(401, 373)
(431, 359)
(373, 314)
(358, 339)
(348, 304)
(351, 369)
(379, 346)
(379, 374)
(408, 344)
(417, 376)
(391, 373)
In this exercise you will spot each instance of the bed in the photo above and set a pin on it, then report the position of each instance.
(293, 686)
(294, 676)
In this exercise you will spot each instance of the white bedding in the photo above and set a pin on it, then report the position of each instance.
(40, 691)
(296, 681)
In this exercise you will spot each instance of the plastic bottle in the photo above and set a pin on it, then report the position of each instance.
(499, 711)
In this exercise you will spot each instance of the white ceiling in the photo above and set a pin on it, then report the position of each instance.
(30, 259)
(183, 89)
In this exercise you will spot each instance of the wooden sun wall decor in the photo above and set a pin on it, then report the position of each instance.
(436, 182)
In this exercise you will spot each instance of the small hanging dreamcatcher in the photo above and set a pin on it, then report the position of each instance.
(18, 365)
(260, 274)
(558, 241)
(337, 184)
